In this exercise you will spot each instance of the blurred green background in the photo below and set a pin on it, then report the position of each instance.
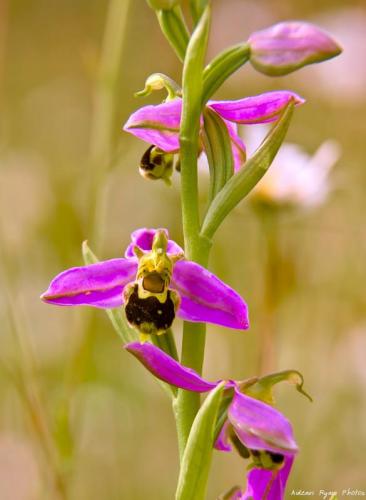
(77, 413)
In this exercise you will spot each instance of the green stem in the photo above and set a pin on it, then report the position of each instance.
(166, 343)
(197, 248)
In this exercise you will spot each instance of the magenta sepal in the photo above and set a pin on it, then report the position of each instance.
(203, 296)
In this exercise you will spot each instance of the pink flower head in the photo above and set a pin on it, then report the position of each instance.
(202, 296)
(262, 429)
(288, 46)
(159, 124)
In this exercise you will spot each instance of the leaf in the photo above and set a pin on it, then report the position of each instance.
(217, 144)
(116, 316)
(222, 66)
(197, 455)
(173, 26)
(250, 174)
(197, 7)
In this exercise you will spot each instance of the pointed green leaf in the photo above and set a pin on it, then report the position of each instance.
(173, 26)
(217, 144)
(223, 66)
(197, 7)
(197, 455)
(250, 174)
(116, 316)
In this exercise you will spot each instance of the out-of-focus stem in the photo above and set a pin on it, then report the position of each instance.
(101, 152)
(272, 277)
(25, 381)
(102, 123)
(23, 374)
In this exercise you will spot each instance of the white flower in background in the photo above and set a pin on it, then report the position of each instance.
(295, 177)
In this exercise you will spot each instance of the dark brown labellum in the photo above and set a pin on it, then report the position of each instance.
(150, 311)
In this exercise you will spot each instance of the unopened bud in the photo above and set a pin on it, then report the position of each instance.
(288, 46)
(156, 164)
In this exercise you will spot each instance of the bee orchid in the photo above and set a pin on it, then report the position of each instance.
(159, 124)
(256, 429)
(154, 282)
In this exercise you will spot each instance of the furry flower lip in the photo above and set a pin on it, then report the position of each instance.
(264, 434)
(159, 124)
(154, 282)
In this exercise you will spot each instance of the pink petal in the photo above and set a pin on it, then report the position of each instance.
(143, 238)
(266, 483)
(204, 298)
(158, 125)
(261, 427)
(167, 369)
(261, 108)
(98, 285)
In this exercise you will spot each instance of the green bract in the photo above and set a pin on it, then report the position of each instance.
(163, 4)
(196, 459)
(243, 182)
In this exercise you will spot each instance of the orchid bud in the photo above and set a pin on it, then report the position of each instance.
(162, 4)
(156, 164)
(288, 46)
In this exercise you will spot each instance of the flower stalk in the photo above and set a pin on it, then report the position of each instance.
(102, 123)
(196, 247)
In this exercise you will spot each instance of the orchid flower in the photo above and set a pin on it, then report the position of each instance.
(159, 124)
(264, 484)
(154, 283)
(263, 433)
